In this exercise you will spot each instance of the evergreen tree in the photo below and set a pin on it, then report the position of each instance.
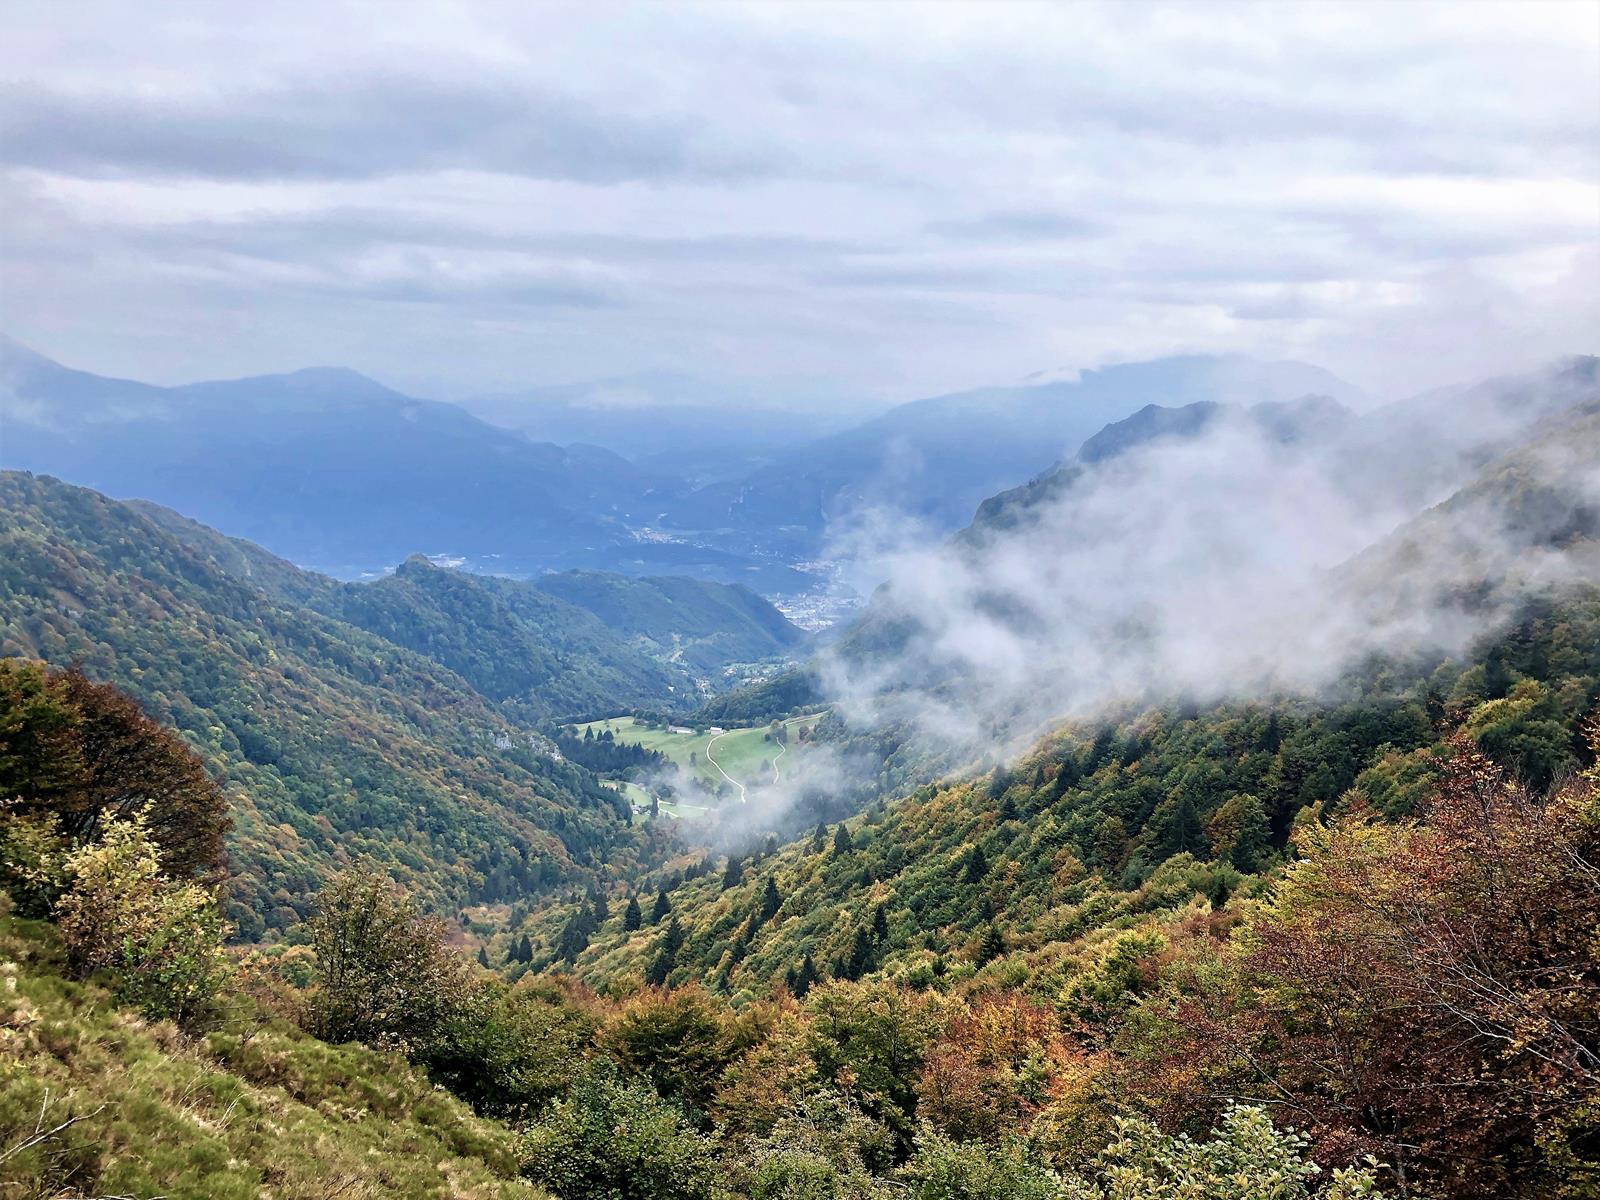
(977, 865)
(1183, 832)
(1067, 775)
(1272, 739)
(600, 911)
(804, 978)
(524, 950)
(483, 956)
(880, 925)
(632, 918)
(859, 961)
(992, 946)
(666, 959)
(819, 838)
(734, 875)
(770, 900)
(662, 908)
(842, 844)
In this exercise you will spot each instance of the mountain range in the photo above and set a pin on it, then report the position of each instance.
(341, 474)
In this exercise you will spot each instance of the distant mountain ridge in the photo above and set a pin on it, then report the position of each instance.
(338, 472)
(937, 459)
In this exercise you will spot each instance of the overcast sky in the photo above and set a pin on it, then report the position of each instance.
(867, 200)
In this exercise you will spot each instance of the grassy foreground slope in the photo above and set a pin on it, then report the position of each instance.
(229, 1116)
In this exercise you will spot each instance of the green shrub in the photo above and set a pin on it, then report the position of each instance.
(1246, 1158)
(161, 939)
(610, 1140)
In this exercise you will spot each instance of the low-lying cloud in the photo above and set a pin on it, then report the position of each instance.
(1234, 564)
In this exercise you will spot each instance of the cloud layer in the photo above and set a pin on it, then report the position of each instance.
(881, 201)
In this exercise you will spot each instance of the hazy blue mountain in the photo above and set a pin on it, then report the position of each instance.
(338, 472)
(937, 459)
(686, 425)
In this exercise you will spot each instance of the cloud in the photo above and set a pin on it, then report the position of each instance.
(1237, 563)
(894, 206)
(352, 129)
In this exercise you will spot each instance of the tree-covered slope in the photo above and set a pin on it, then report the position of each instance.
(560, 647)
(706, 625)
(333, 743)
(1103, 822)
(511, 641)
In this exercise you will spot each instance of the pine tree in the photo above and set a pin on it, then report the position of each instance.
(860, 960)
(770, 900)
(632, 918)
(977, 865)
(666, 959)
(819, 838)
(662, 908)
(1183, 831)
(992, 946)
(524, 950)
(804, 978)
(483, 956)
(842, 844)
(880, 925)
(600, 910)
(734, 875)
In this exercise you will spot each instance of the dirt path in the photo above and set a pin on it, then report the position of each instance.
(718, 765)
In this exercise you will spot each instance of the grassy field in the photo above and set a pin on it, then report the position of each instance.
(744, 754)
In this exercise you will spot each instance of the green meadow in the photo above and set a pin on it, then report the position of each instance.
(746, 756)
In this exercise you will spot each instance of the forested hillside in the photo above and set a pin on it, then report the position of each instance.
(1072, 835)
(1136, 918)
(561, 645)
(332, 743)
(704, 625)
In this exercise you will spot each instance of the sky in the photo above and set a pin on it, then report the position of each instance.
(839, 205)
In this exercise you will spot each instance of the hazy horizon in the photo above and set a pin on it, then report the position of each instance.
(816, 206)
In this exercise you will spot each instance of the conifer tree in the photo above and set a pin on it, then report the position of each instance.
(804, 978)
(632, 918)
(770, 900)
(977, 865)
(992, 946)
(662, 908)
(860, 960)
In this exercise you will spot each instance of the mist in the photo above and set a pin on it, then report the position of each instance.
(1235, 564)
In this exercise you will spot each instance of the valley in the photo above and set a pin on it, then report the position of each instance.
(633, 873)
